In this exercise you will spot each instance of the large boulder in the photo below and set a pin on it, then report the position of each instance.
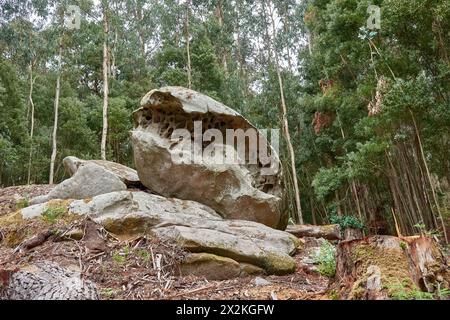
(125, 174)
(88, 181)
(173, 165)
(194, 226)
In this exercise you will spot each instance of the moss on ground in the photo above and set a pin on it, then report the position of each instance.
(393, 264)
(16, 229)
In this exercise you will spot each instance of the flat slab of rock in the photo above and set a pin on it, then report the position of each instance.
(88, 181)
(194, 226)
(248, 191)
(210, 266)
(45, 281)
(125, 174)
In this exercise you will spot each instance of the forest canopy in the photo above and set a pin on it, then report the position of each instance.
(368, 110)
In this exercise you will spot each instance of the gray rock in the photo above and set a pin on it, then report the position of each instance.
(210, 266)
(88, 181)
(236, 191)
(125, 174)
(261, 281)
(196, 227)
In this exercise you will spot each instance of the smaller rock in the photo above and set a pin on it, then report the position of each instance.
(210, 266)
(248, 269)
(261, 281)
(125, 174)
(88, 181)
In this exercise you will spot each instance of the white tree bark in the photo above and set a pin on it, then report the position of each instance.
(188, 49)
(105, 83)
(30, 100)
(285, 124)
(56, 110)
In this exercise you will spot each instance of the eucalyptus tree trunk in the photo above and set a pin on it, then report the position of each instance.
(105, 81)
(56, 110)
(286, 124)
(433, 192)
(188, 49)
(31, 103)
(219, 15)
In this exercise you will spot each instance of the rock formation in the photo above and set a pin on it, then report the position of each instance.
(195, 227)
(246, 190)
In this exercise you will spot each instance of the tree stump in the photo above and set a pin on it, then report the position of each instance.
(387, 267)
(352, 234)
(45, 281)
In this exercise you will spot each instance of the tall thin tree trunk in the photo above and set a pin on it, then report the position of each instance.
(286, 126)
(309, 36)
(138, 16)
(433, 192)
(188, 49)
(56, 110)
(105, 81)
(30, 100)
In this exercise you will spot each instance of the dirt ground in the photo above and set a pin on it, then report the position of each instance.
(128, 268)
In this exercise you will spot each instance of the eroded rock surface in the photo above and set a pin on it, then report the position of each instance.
(246, 191)
(88, 181)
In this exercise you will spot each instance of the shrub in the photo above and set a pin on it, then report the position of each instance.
(347, 222)
(53, 212)
(326, 260)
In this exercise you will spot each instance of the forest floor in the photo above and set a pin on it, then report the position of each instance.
(125, 268)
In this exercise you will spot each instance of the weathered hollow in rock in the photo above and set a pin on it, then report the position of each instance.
(162, 113)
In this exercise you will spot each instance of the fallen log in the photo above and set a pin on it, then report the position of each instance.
(36, 240)
(388, 267)
(329, 232)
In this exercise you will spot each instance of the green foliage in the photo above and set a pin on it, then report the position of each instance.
(421, 227)
(326, 181)
(121, 256)
(108, 292)
(144, 255)
(54, 212)
(347, 222)
(326, 260)
(400, 291)
(23, 203)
